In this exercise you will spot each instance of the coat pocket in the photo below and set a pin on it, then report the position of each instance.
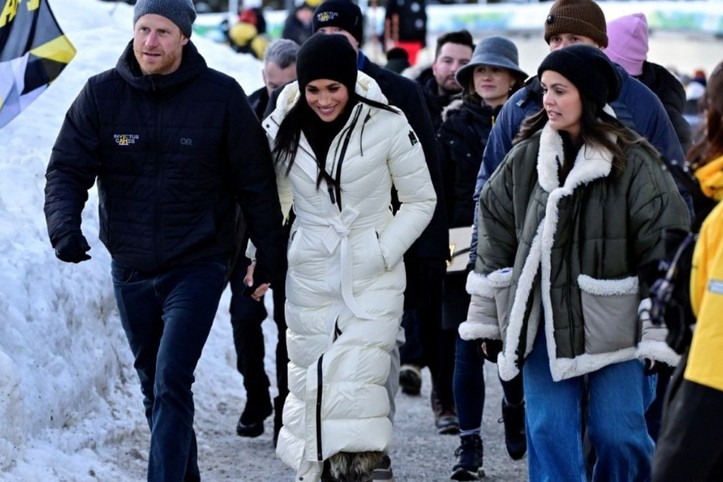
(293, 249)
(610, 313)
(367, 254)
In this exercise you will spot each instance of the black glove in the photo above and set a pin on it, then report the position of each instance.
(653, 367)
(72, 248)
(491, 349)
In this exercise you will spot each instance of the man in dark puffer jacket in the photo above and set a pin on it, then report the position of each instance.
(176, 149)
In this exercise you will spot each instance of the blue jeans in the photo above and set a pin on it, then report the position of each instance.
(616, 398)
(167, 318)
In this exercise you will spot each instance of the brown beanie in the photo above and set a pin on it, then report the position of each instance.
(578, 17)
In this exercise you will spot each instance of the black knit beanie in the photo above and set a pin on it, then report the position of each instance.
(326, 56)
(180, 12)
(579, 17)
(588, 68)
(342, 14)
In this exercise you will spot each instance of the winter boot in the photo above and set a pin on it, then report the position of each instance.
(513, 416)
(469, 456)
(278, 416)
(354, 466)
(410, 379)
(258, 407)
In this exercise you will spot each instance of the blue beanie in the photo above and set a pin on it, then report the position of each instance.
(180, 12)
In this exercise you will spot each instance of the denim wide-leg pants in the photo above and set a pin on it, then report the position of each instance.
(167, 318)
(610, 403)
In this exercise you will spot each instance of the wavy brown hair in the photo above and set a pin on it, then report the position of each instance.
(596, 125)
(710, 141)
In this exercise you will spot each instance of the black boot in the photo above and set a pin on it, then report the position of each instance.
(278, 416)
(513, 417)
(258, 407)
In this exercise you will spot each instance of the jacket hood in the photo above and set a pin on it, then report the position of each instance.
(710, 178)
(192, 65)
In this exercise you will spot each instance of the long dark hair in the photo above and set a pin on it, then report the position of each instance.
(287, 139)
(710, 143)
(596, 125)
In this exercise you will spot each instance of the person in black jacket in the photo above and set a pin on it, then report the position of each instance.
(425, 260)
(169, 142)
(628, 47)
(278, 70)
(439, 84)
(247, 315)
(487, 81)
(297, 26)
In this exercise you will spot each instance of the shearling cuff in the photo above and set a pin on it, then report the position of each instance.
(482, 313)
(658, 351)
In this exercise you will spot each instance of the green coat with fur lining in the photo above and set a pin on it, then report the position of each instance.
(565, 257)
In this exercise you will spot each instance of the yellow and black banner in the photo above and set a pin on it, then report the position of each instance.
(33, 52)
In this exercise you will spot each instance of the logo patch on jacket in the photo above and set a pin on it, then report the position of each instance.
(716, 286)
(412, 137)
(125, 139)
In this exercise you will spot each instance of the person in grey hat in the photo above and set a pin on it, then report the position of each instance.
(180, 12)
(487, 81)
(177, 152)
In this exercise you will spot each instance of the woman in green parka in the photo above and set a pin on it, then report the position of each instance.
(578, 204)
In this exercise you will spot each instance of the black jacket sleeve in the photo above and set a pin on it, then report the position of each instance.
(254, 179)
(73, 167)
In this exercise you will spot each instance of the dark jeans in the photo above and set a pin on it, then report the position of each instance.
(167, 318)
(469, 385)
(427, 344)
(468, 380)
(247, 316)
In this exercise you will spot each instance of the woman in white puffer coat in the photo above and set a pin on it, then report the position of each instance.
(339, 150)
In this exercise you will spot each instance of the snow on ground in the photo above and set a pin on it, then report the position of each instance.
(68, 391)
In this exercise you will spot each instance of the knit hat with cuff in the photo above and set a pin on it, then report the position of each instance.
(579, 17)
(628, 42)
(180, 12)
(588, 68)
(327, 56)
(343, 14)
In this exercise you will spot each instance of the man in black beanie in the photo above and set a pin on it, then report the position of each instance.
(176, 151)
(425, 260)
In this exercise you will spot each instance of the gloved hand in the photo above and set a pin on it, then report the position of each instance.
(653, 367)
(72, 248)
(491, 348)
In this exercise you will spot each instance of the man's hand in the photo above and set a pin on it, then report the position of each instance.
(72, 248)
(260, 290)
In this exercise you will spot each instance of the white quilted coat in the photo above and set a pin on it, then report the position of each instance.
(346, 279)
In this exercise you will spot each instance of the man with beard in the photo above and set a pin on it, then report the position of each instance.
(453, 51)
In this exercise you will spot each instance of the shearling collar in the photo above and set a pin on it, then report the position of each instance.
(592, 162)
